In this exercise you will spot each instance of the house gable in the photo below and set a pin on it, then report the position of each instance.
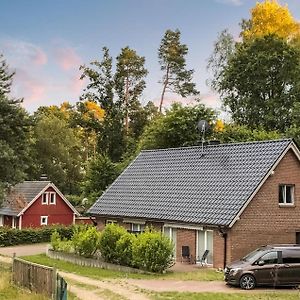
(58, 213)
(264, 220)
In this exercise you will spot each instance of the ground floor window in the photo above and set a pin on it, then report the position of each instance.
(137, 228)
(205, 242)
(297, 237)
(171, 233)
(44, 220)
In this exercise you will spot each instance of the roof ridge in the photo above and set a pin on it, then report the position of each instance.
(218, 145)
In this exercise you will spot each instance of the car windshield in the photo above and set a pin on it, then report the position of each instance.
(254, 255)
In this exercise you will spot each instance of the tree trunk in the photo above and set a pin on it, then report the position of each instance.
(164, 90)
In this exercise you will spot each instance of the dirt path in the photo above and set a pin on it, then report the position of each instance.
(23, 250)
(120, 287)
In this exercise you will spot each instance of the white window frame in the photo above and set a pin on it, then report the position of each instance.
(140, 227)
(205, 244)
(1, 220)
(172, 236)
(107, 222)
(46, 195)
(13, 222)
(46, 220)
(284, 203)
(50, 198)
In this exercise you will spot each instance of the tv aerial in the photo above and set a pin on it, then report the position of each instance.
(203, 127)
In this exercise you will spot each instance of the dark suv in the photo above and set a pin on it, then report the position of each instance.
(272, 265)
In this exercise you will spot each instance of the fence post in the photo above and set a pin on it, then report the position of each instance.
(12, 268)
(54, 284)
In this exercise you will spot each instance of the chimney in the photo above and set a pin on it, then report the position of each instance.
(43, 177)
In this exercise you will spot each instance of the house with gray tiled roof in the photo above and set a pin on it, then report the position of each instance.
(36, 204)
(227, 198)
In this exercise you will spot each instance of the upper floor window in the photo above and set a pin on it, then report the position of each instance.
(286, 194)
(52, 198)
(45, 197)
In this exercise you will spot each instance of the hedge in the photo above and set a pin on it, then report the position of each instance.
(12, 237)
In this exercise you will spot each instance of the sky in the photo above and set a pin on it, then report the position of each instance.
(46, 41)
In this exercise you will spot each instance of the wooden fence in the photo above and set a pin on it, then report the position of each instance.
(39, 279)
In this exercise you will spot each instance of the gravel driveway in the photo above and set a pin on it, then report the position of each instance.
(23, 250)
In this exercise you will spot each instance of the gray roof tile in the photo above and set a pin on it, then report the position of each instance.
(181, 184)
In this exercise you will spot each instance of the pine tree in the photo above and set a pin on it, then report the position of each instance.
(176, 78)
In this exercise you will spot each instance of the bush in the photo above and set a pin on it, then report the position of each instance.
(108, 242)
(86, 240)
(124, 249)
(55, 240)
(152, 251)
(11, 237)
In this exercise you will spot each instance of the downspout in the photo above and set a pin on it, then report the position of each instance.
(223, 234)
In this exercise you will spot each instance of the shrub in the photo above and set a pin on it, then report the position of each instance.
(86, 241)
(124, 249)
(11, 237)
(55, 240)
(152, 251)
(108, 242)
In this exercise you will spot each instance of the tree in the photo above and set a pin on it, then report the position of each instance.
(14, 134)
(223, 49)
(6, 77)
(269, 17)
(260, 83)
(176, 77)
(129, 80)
(58, 152)
(101, 172)
(176, 128)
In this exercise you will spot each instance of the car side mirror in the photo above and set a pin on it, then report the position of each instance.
(260, 262)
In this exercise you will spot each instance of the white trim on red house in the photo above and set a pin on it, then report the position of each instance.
(20, 222)
(43, 191)
(296, 151)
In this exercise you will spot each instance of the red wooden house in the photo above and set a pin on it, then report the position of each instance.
(36, 204)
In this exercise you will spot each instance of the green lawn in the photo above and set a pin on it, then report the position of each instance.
(201, 275)
(222, 296)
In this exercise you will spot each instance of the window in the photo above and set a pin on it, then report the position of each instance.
(291, 256)
(44, 220)
(52, 198)
(269, 258)
(45, 198)
(286, 194)
(137, 227)
(1, 220)
(110, 222)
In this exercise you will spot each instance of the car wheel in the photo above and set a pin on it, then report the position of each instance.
(247, 282)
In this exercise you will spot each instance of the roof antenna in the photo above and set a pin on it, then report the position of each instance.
(203, 127)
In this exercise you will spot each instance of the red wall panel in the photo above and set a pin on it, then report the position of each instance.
(59, 213)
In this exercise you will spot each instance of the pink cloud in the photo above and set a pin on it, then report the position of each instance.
(22, 53)
(211, 99)
(76, 85)
(67, 58)
(27, 87)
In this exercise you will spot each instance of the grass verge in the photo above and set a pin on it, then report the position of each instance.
(223, 296)
(9, 291)
(201, 274)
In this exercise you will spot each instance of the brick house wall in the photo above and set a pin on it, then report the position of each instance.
(264, 221)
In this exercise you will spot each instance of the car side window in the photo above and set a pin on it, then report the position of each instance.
(270, 258)
(291, 257)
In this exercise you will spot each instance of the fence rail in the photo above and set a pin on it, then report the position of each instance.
(39, 279)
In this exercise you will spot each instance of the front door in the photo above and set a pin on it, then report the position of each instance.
(171, 233)
(205, 242)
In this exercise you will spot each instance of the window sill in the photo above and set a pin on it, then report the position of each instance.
(287, 205)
